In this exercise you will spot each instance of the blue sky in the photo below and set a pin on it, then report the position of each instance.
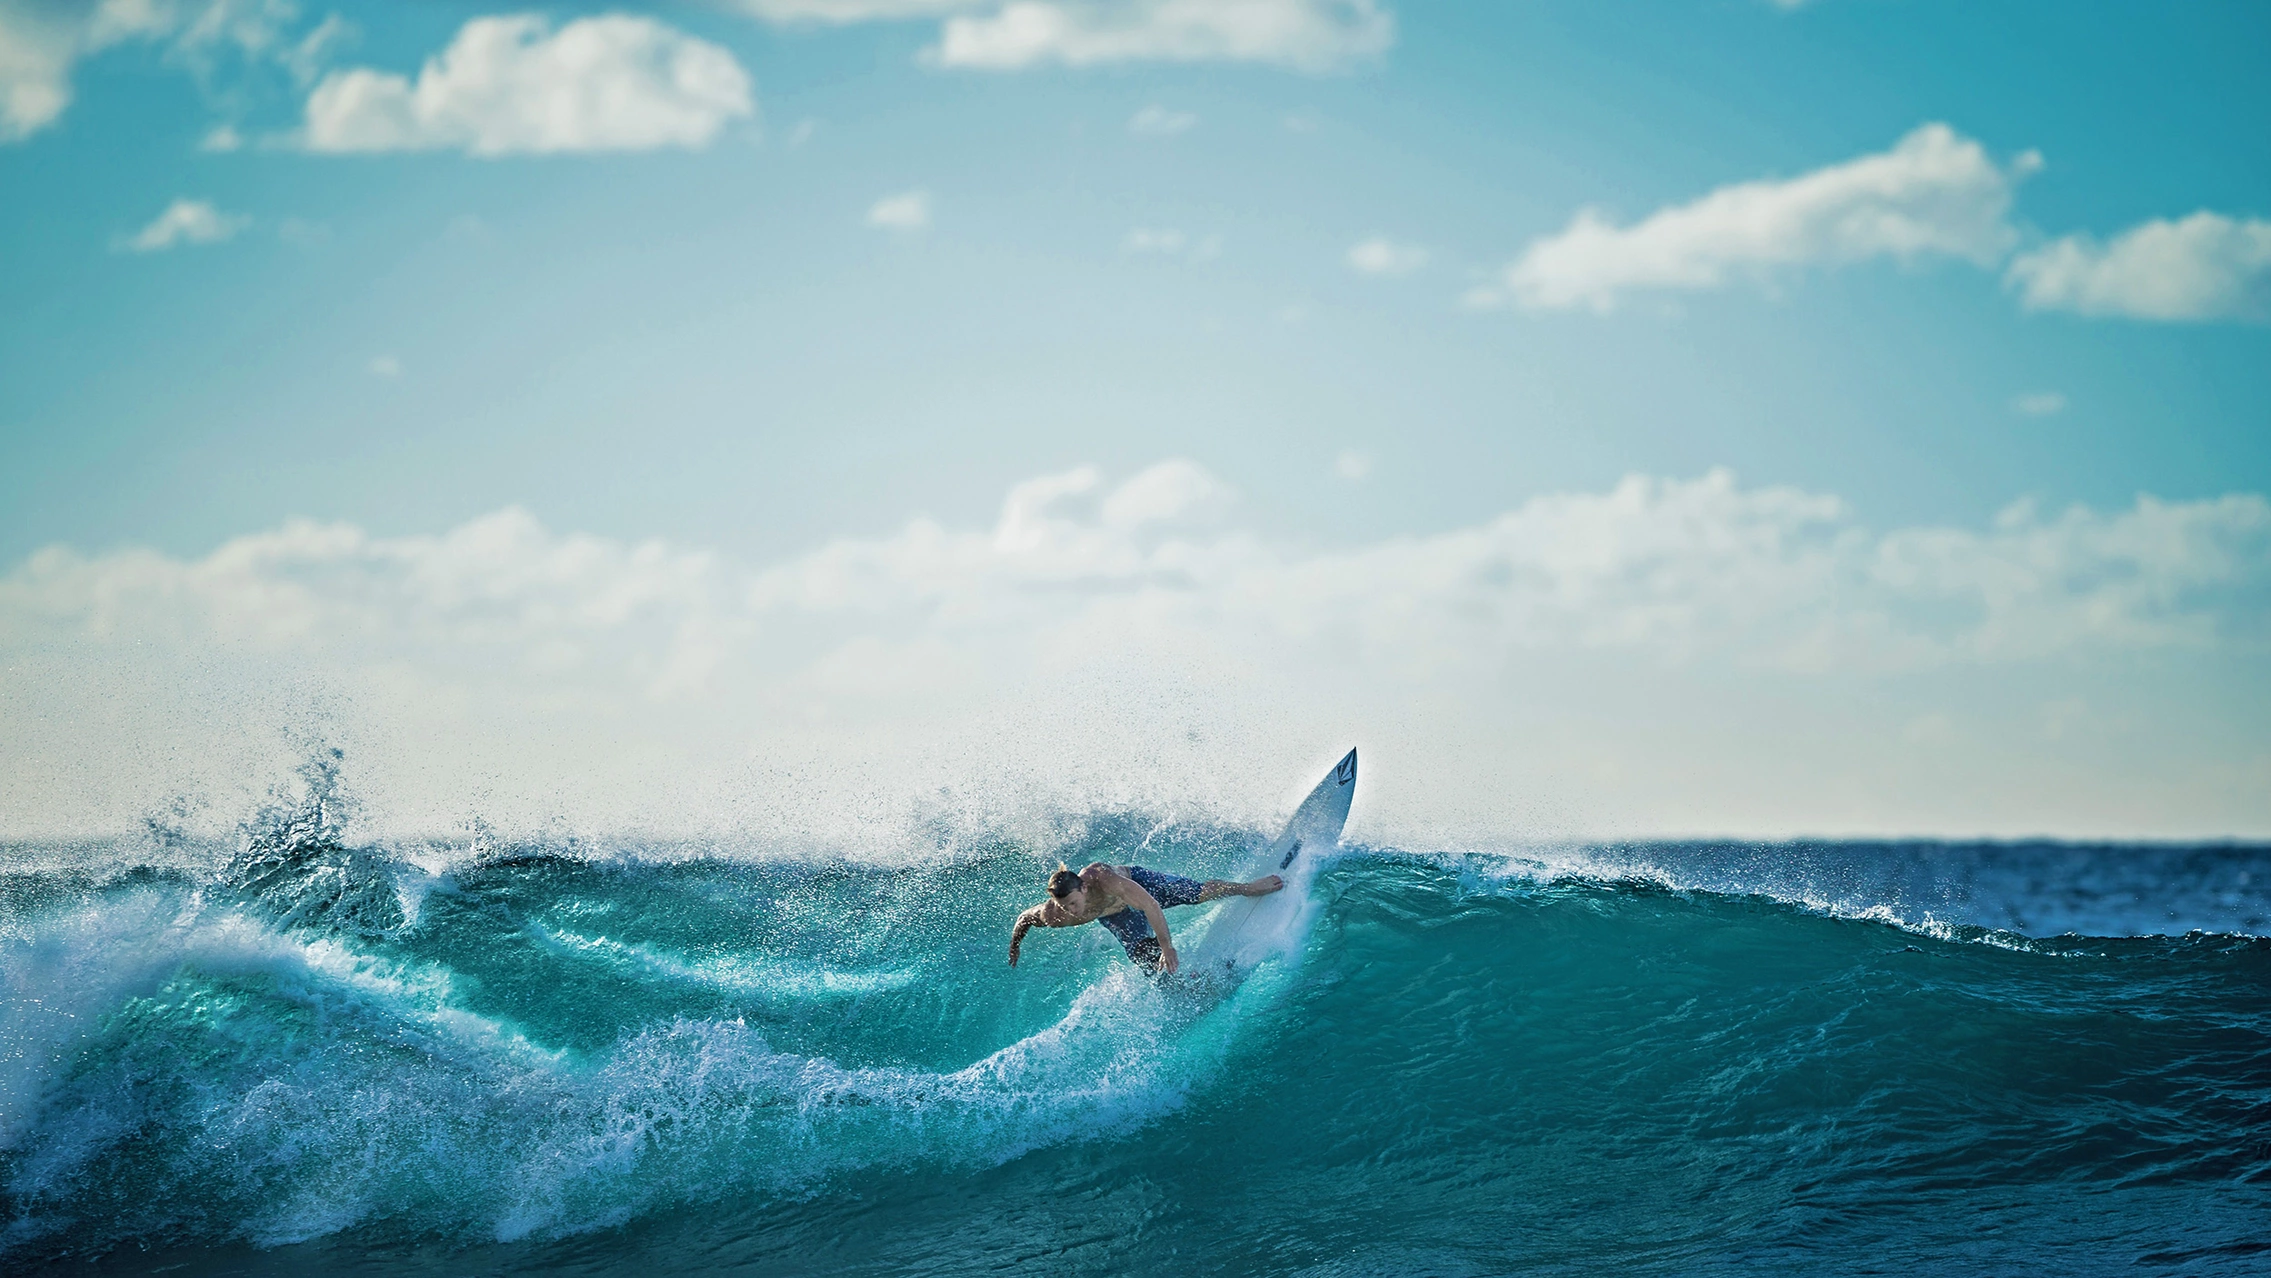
(883, 261)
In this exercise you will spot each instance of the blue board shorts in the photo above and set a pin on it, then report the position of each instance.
(1133, 929)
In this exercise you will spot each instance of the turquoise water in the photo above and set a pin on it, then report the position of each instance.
(1677, 1059)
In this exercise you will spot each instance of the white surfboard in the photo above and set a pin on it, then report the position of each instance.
(1250, 927)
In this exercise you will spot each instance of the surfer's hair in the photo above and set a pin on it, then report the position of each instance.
(1063, 882)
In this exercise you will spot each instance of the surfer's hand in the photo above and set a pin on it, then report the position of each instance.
(1270, 884)
(1168, 962)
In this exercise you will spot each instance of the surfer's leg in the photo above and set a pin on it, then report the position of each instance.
(1169, 890)
(1216, 889)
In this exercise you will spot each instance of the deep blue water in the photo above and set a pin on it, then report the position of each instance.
(1675, 1059)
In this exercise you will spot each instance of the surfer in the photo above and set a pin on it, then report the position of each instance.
(1128, 900)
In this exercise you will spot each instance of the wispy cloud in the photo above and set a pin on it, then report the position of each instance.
(2203, 267)
(186, 222)
(1382, 256)
(1169, 242)
(906, 211)
(2039, 404)
(41, 43)
(512, 85)
(1935, 193)
(1156, 121)
(1306, 35)
(837, 12)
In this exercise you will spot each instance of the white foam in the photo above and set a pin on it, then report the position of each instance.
(386, 1097)
(764, 975)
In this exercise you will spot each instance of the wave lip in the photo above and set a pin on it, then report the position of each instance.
(2031, 888)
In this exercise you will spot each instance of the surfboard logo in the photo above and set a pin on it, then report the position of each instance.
(1290, 853)
(1345, 771)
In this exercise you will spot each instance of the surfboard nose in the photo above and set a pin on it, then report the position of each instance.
(1344, 772)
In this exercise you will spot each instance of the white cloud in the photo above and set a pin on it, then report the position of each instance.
(386, 366)
(509, 85)
(836, 12)
(186, 222)
(1935, 193)
(1381, 256)
(308, 57)
(1156, 121)
(42, 41)
(906, 211)
(2039, 404)
(1670, 566)
(500, 582)
(1308, 35)
(1168, 242)
(1352, 465)
(2203, 267)
(1091, 623)
(1146, 239)
(1172, 492)
(37, 50)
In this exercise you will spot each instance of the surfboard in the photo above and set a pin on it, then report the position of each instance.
(1250, 927)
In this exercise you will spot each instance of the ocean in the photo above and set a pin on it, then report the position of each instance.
(294, 1051)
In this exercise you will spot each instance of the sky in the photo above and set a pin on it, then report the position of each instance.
(1703, 417)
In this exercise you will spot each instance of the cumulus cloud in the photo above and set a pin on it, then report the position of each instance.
(508, 85)
(500, 583)
(1382, 256)
(1092, 622)
(1307, 35)
(906, 211)
(1667, 566)
(1935, 193)
(186, 222)
(2203, 267)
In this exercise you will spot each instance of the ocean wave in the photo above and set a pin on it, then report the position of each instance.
(310, 1040)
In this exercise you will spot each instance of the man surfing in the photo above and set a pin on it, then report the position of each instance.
(1128, 900)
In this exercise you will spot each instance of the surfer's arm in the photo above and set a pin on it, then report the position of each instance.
(1017, 934)
(1133, 893)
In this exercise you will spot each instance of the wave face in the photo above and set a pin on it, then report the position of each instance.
(1676, 1059)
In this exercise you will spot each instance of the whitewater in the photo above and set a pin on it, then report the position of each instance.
(297, 1048)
